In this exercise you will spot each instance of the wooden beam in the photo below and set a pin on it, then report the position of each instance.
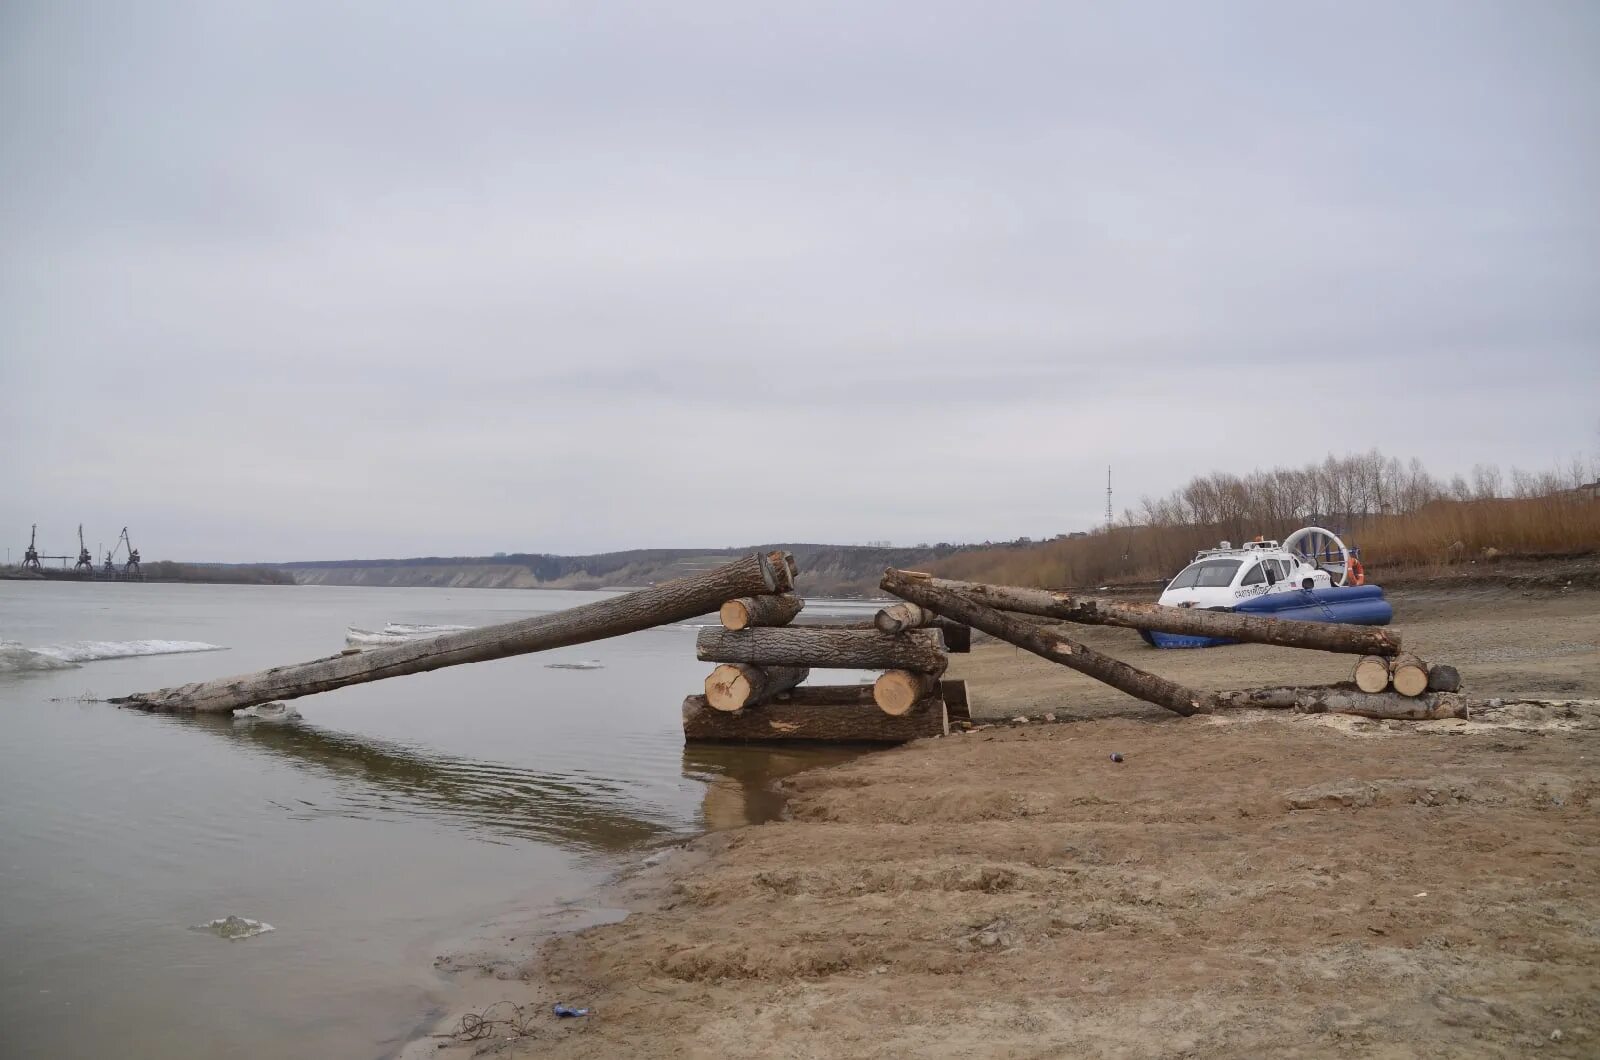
(1045, 643)
(847, 722)
(822, 648)
(1320, 636)
(674, 601)
(957, 700)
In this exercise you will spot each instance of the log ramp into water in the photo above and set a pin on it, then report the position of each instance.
(958, 606)
(1319, 636)
(838, 714)
(674, 601)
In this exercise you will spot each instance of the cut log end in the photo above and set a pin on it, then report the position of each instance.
(1408, 674)
(898, 692)
(759, 611)
(1443, 678)
(1372, 674)
(734, 686)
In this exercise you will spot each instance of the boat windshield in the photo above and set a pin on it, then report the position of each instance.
(1207, 574)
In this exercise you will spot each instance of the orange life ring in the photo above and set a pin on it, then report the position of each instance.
(1353, 566)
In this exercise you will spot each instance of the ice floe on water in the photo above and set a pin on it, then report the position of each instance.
(14, 658)
(584, 664)
(267, 712)
(234, 928)
(395, 633)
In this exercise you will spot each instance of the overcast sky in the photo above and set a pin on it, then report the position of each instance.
(315, 280)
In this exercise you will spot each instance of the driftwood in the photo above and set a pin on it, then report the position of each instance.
(1343, 699)
(1443, 678)
(674, 601)
(760, 611)
(1321, 636)
(924, 590)
(899, 691)
(1372, 673)
(847, 722)
(816, 646)
(1408, 674)
(734, 686)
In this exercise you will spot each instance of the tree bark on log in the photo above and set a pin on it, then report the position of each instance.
(957, 700)
(760, 611)
(1408, 674)
(1320, 636)
(1343, 699)
(819, 722)
(734, 686)
(1443, 678)
(673, 601)
(923, 590)
(899, 691)
(1372, 673)
(859, 695)
(822, 648)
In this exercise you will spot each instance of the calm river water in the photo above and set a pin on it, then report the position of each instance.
(393, 818)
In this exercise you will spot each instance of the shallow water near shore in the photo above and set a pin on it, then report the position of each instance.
(390, 818)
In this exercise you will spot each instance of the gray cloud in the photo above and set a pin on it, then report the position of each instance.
(315, 280)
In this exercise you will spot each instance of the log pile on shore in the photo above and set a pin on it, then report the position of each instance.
(755, 692)
(1388, 682)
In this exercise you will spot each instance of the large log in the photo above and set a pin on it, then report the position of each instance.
(898, 692)
(822, 722)
(922, 589)
(1443, 678)
(897, 618)
(822, 648)
(760, 611)
(1343, 699)
(1408, 674)
(1372, 673)
(674, 601)
(1321, 636)
(734, 686)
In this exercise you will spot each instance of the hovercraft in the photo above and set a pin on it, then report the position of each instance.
(1294, 579)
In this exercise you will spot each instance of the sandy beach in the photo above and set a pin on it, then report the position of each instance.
(1243, 884)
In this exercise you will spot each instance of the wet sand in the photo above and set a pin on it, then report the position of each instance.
(1248, 884)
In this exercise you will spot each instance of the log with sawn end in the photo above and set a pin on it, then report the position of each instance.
(1408, 674)
(734, 686)
(823, 648)
(898, 692)
(1372, 673)
(1046, 643)
(760, 611)
(1193, 621)
(897, 618)
(847, 722)
(673, 601)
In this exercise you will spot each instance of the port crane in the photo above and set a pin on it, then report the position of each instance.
(130, 569)
(85, 561)
(30, 558)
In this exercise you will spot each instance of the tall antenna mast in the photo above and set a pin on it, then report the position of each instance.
(1108, 496)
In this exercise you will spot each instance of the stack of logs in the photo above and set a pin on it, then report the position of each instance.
(755, 692)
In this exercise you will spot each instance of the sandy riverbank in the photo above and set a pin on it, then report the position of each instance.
(1239, 885)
